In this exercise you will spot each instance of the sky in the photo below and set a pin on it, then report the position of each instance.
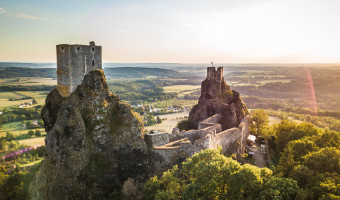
(174, 31)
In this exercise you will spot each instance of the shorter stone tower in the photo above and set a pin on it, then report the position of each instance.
(215, 74)
(73, 62)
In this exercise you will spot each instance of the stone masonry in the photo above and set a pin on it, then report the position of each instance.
(73, 62)
(222, 120)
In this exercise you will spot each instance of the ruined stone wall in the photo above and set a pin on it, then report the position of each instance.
(165, 156)
(73, 62)
(157, 139)
(209, 121)
(194, 135)
(228, 137)
(194, 141)
(244, 127)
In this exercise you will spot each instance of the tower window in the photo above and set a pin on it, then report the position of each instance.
(78, 48)
(92, 49)
(92, 62)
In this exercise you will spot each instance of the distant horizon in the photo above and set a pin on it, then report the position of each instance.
(219, 63)
(170, 65)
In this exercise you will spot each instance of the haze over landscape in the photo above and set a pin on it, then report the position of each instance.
(192, 31)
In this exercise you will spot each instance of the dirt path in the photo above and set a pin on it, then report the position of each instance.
(258, 157)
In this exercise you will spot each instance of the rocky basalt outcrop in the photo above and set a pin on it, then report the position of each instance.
(94, 145)
(218, 98)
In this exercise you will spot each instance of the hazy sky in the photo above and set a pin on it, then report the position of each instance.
(187, 31)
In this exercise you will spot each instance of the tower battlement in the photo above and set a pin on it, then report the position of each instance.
(212, 73)
(73, 62)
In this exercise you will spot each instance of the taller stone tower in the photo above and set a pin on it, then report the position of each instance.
(73, 62)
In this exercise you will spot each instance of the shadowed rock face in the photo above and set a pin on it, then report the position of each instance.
(94, 144)
(218, 98)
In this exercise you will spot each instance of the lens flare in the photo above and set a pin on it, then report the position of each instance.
(312, 91)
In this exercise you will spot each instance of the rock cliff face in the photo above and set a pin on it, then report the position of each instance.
(218, 98)
(94, 143)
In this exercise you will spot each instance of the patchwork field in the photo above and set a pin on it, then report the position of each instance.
(5, 96)
(32, 81)
(181, 88)
(15, 129)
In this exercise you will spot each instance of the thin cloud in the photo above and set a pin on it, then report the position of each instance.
(26, 16)
(4, 11)
(22, 15)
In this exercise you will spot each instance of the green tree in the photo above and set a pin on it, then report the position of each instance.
(186, 125)
(37, 133)
(209, 175)
(302, 175)
(166, 187)
(287, 131)
(280, 188)
(13, 145)
(329, 139)
(41, 123)
(3, 145)
(159, 120)
(9, 136)
(34, 101)
(326, 186)
(30, 133)
(29, 123)
(259, 123)
(325, 160)
(294, 152)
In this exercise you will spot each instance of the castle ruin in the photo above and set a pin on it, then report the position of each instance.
(221, 118)
(73, 62)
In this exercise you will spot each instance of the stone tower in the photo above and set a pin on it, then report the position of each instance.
(73, 62)
(215, 74)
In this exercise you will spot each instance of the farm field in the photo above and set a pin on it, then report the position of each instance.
(34, 142)
(40, 97)
(170, 123)
(182, 90)
(171, 102)
(15, 129)
(32, 81)
(179, 88)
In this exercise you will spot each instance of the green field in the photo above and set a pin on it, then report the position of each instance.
(5, 102)
(15, 128)
(181, 88)
(172, 102)
(31, 81)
